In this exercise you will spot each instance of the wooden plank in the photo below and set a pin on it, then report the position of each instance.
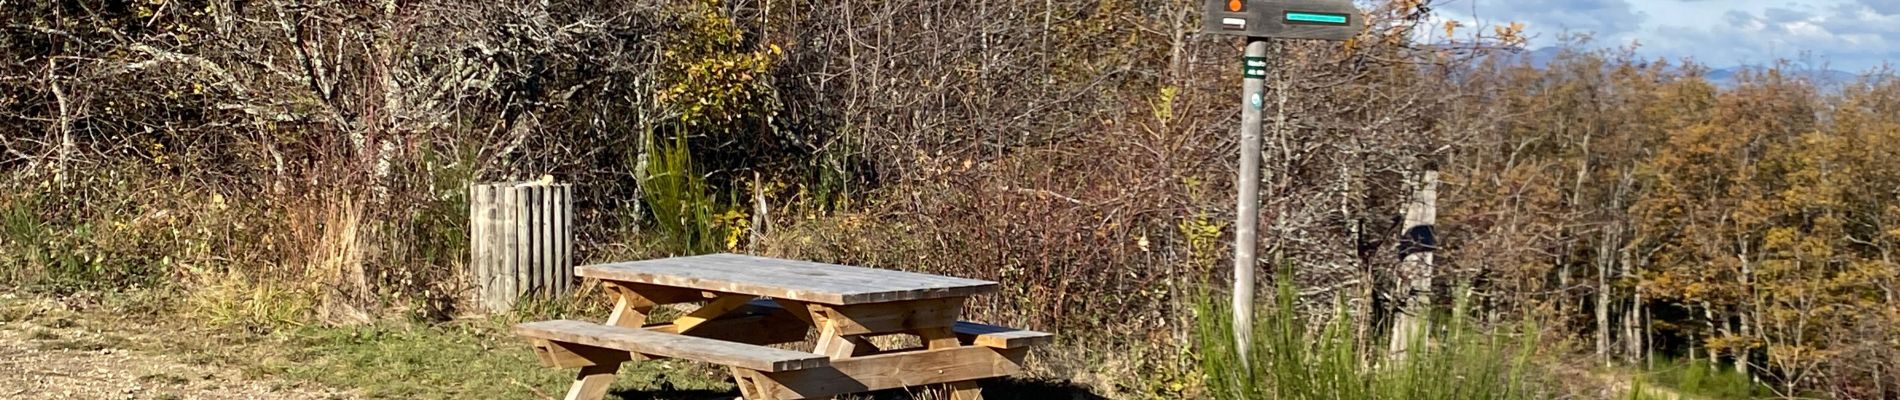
(893, 317)
(1000, 337)
(530, 227)
(566, 238)
(545, 247)
(758, 358)
(798, 309)
(714, 309)
(593, 382)
(644, 295)
(748, 383)
(524, 250)
(749, 325)
(943, 338)
(831, 343)
(544, 237)
(525, 232)
(979, 334)
(501, 236)
(531, 222)
(524, 239)
(891, 371)
(477, 235)
(634, 302)
(787, 279)
(628, 313)
(569, 355)
(510, 249)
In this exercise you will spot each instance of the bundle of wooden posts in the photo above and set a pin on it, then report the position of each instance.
(520, 241)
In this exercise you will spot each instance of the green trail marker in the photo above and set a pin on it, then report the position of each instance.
(1254, 67)
(1317, 18)
(1260, 21)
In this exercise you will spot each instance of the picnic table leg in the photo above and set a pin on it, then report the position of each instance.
(748, 383)
(941, 338)
(630, 310)
(593, 382)
(835, 345)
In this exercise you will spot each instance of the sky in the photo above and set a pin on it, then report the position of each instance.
(1847, 35)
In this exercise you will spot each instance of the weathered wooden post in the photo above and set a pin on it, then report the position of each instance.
(520, 241)
(1260, 21)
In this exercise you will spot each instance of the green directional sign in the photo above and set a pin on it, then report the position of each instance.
(1283, 19)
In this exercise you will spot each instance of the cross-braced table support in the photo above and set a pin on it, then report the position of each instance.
(844, 331)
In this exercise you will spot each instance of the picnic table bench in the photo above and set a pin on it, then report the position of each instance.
(753, 302)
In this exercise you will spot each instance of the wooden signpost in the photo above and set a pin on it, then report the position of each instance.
(1260, 21)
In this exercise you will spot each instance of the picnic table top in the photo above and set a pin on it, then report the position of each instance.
(788, 279)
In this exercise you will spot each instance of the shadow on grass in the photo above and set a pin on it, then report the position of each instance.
(1025, 389)
(995, 389)
(676, 394)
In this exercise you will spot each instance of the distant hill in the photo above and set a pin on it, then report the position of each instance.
(1721, 77)
(1725, 77)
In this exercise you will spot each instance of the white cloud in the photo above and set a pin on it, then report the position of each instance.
(1848, 34)
(1884, 7)
(1600, 16)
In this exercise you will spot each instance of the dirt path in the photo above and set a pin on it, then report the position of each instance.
(46, 352)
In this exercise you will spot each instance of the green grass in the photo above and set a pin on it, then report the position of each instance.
(390, 359)
(1701, 379)
(681, 202)
(1294, 361)
(475, 358)
(456, 361)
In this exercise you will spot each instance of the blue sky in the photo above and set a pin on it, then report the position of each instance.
(1849, 35)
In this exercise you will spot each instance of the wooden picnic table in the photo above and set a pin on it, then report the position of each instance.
(751, 302)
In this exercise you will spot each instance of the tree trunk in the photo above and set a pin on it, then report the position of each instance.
(1745, 330)
(1415, 250)
(1605, 259)
(63, 127)
(1730, 331)
(1177, 44)
(1708, 316)
(1603, 314)
(1634, 340)
(1741, 354)
(1563, 289)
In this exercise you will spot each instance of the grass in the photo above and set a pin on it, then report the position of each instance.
(472, 358)
(680, 200)
(476, 359)
(461, 360)
(1700, 379)
(1294, 361)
